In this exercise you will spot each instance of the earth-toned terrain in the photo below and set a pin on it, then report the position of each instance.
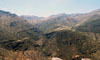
(57, 37)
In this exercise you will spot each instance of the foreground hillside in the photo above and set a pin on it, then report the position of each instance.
(62, 44)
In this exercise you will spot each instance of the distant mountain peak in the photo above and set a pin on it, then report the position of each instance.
(31, 17)
(62, 14)
(1, 11)
(97, 10)
(7, 13)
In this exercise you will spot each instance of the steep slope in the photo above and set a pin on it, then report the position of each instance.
(11, 26)
(91, 25)
(16, 34)
(14, 30)
(86, 16)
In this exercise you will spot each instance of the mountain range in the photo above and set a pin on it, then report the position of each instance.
(65, 36)
(64, 21)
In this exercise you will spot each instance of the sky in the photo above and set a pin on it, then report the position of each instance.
(48, 7)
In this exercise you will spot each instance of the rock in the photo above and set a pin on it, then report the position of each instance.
(56, 58)
(85, 59)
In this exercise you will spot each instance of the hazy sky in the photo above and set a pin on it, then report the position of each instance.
(48, 7)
